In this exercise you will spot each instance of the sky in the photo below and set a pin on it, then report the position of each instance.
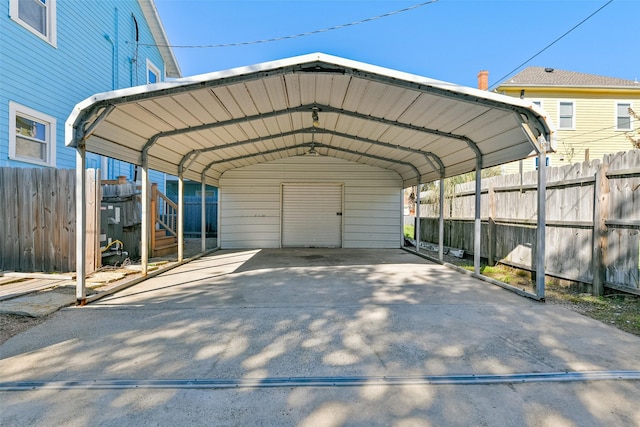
(449, 40)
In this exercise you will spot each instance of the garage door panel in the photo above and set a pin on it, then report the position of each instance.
(311, 215)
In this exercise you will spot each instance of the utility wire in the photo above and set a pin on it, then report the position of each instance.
(294, 36)
(552, 43)
(590, 132)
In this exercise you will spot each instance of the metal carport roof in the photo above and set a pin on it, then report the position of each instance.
(199, 127)
(368, 114)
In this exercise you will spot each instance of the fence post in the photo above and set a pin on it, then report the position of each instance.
(600, 232)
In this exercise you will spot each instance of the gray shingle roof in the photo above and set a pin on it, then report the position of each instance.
(541, 76)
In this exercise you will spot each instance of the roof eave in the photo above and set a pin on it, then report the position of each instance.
(556, 87)
(172, 69)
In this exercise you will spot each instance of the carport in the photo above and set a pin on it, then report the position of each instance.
(315, 107)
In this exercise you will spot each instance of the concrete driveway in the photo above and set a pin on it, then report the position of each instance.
(318, 337)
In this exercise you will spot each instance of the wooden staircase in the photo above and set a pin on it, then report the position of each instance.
(164, 224)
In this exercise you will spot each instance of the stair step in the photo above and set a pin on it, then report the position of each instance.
(162, 233)
(167, 240)
(165, 250)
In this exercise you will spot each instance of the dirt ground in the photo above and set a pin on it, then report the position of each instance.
(11, 325)
(615, 308)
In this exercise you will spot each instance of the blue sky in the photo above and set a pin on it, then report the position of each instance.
(449, 40)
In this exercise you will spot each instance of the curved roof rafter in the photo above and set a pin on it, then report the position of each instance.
(314, 144)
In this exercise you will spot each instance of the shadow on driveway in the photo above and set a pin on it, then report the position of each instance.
(302, 313)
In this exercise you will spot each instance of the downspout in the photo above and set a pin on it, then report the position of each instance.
(104, 162)
(116, 63)
(113, 61)
(134, 60)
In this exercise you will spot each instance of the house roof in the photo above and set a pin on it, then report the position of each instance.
(208, 124)
(150, 12)
(541, 76)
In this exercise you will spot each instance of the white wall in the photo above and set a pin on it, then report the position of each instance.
(251, 207)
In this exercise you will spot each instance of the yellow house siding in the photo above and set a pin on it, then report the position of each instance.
(595, 116)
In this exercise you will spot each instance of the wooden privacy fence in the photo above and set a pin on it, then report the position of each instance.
(38, 219)
(592, 221)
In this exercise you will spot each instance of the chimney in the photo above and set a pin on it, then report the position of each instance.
(483, 80)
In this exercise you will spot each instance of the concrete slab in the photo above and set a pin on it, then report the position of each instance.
(20, 287)
(325, 314)
(37, 305)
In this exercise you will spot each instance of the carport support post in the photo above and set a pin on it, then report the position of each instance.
(81, 224)
(146, 221)
(218, 218)
(441, 222)
(477, 223)
(203, 221)
(542, 214)
(180, 217)
(418, 217)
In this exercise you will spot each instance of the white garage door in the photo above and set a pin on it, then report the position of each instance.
(312, 215)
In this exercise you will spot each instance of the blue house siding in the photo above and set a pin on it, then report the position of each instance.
(52, 80)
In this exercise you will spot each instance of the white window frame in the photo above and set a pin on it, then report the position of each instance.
(16, 109)
(152, 67)
(615, 116)
(51, 36)
(573, 117)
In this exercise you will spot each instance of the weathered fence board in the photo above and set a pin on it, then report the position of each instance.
(38, 223)
(571, 229)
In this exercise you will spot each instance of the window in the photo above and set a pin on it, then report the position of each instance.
(37, 16)
(566, 115)
(153, 73)
(32, 136)
(623, 116)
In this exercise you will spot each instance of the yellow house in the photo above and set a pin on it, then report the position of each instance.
(591, 113)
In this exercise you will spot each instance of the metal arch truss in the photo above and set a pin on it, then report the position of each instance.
(315, 144)
(431, 157)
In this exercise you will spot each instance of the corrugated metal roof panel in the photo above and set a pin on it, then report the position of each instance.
(255, 114)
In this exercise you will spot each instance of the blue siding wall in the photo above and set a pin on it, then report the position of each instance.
(52, 80)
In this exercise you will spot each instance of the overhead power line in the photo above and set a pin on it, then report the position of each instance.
(552, 43)
(294, 36)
